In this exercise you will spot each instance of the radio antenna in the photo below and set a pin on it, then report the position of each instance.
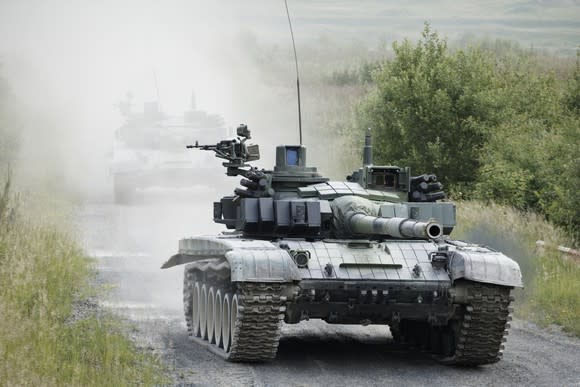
(297, 76)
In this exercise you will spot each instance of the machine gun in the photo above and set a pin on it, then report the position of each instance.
(235, 151)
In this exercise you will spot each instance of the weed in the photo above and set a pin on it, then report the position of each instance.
(42, 272)
(552, 284)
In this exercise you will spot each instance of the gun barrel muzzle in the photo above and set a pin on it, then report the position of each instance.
(395, 227)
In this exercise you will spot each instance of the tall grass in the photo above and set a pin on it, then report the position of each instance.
(557, 296)
(552, 283)
(42, 273)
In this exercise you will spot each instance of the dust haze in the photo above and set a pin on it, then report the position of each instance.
(69, 63)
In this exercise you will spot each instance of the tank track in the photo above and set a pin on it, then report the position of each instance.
(188, 283)
(256, 331)
(475, 337)
(481, 330)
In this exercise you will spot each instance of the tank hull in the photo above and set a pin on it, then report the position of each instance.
(128, 183)
(425, 291)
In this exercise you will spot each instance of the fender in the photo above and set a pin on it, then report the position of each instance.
(483, 265)
(249, 260)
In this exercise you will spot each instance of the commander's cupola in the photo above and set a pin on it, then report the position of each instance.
(291, 171)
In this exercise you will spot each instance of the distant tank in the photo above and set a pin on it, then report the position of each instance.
(148, 150)
(374, 249)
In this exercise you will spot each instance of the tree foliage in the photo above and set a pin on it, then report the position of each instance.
(494, 126)
(430, 109)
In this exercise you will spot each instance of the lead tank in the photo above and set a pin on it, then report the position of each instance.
(374, 249)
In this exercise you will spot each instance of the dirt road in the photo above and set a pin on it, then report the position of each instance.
(132, 242)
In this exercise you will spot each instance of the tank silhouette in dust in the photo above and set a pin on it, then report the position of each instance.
(148, 151)
(374, 249)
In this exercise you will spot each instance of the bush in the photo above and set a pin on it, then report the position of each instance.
(552, 284)
(495, 127)
(431, 108)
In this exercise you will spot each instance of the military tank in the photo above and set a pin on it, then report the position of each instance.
(148, 150)
(374, 249)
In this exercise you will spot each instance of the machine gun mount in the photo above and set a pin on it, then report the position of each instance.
(235, 151)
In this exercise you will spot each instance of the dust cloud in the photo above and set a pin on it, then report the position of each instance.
(69, 64)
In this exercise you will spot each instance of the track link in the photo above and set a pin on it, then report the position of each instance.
(256, 331)
(474, 337)
(480, 332)
(188, 282)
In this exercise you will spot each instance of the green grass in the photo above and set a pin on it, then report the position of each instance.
(552, 283)
(556, 299)
(42, 272)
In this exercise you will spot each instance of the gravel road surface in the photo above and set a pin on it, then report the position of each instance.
(131, 243)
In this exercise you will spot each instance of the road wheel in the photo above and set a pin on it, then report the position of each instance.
(218, 310)
(203, 314)
(226, 321)
(209, 311)
(195, 310)
(233, 318)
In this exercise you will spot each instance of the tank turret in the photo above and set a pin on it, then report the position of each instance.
(294, 200)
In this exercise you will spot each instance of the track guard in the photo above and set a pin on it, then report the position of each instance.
(273, 265)
(249, 260)
(485, 266)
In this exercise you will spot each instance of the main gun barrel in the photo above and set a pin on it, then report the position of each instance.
(360, 223)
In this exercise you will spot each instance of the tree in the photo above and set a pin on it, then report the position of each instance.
(492, 125)
(431, 108)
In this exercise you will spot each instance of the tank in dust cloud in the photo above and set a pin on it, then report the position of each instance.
(148, 151)
(374, 249)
